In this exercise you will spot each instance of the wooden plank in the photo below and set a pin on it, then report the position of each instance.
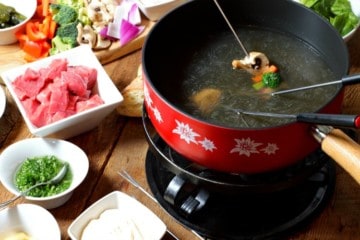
(116, 51)
(12, 56)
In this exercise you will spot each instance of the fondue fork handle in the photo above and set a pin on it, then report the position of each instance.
(340, 120)
(341, 148)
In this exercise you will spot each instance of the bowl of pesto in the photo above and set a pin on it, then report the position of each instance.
(34, 160)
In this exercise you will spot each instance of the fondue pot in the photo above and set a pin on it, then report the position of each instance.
(222, 148)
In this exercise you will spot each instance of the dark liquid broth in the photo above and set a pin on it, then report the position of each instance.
(210, 66)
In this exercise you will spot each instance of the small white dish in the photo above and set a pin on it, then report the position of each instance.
(147, 222)
(13, 156)
(155, 9)
(79, 122)
(2, 101)
(33, 220)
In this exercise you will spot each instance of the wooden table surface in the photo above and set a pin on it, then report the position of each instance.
(119, 144)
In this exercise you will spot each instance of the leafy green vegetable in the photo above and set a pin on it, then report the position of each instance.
(337, 12)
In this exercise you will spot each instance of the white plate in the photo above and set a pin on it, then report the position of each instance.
(2, 101)
(148, 223)
(31, 219)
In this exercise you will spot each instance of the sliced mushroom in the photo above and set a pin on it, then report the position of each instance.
(102, 43)
(255, 63)
(86, 35)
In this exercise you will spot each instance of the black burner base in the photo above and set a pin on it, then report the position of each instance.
(248, 216)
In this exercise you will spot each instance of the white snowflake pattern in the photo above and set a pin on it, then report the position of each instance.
(185, 132)
(208, 145)
(271, 148)
(157, 115)
(147, 97)
(245, 147)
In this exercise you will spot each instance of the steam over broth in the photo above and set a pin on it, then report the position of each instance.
(210, 67)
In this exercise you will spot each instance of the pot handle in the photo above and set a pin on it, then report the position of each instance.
(341, 148)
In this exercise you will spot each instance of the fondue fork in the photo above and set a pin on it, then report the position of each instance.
(344, 81)
(340, 120)
(131, 180)
(231, 28)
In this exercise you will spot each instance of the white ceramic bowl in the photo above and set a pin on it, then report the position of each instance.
(155, 9)
(146, 221)
(26, 8)
(13, 156)
(33, 220)
(80, 122)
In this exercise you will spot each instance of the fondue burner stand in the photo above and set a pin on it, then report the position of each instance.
(237, 206)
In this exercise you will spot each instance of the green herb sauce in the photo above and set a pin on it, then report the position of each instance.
(41, 169)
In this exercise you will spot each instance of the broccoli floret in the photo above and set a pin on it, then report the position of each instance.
(83, 17)
(77, 4)
(63, 14)
(68, 33)
(271, 79)
(57, 46)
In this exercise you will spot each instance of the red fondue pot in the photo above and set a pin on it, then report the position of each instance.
(228, 149)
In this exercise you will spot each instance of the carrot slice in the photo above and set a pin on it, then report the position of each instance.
(45, 7)
(257, 78)
(272, 68)
(52, 29)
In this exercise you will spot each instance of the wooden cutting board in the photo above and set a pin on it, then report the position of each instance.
(12, 56)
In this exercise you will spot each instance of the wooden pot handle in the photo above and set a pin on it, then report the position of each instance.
(341, 148)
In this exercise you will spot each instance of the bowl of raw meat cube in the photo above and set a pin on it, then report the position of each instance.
(63, 95)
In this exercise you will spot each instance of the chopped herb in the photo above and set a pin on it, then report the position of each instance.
(41, 169)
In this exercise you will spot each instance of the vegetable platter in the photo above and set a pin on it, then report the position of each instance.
(13, 55)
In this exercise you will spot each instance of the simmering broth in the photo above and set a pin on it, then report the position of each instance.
(210, 67)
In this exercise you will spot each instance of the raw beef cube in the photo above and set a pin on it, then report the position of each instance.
(36, 112)
(29, 84)
(92, 102)
(59, 98)
(44, 94)
(75, 84)
(54, 69)
(87, 73)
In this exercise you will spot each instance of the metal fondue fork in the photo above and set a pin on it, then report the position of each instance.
(131, 180)
(231, 28)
